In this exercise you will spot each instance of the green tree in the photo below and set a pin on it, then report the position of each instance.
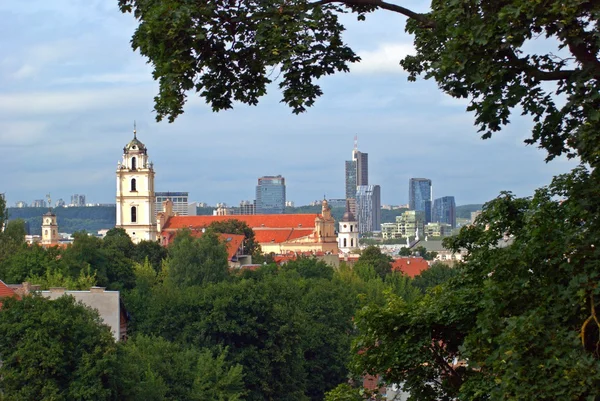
(473, 49)
(438, 273)
(522, 313)
(234, 226)
(196, 261)
(118, 241)
(152, 250)
(372, 256)
(54, 350)
(151, 368)
(86, 251)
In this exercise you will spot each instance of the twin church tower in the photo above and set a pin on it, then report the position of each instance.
(136, 212)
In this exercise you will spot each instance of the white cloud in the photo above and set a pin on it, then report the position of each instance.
(385, 59)
(57, 102)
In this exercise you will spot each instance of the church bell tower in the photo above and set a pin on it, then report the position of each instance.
(135, 192)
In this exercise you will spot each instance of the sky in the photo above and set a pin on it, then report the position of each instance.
(71, 87)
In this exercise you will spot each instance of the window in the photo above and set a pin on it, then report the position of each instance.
(351, 227)
(133, 163)
(344, 242)
(133, 214)
(351, 242)
(46, 232)
(133, 185)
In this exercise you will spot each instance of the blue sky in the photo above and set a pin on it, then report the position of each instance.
(71, 87)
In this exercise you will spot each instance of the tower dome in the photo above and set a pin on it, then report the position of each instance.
(135, 145)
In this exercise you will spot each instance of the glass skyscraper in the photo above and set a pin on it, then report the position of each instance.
(419, 196)
(444, 210)
(270, 195)
(368, 208)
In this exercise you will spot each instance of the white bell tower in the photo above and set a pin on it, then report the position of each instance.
(348, 231)
(135, 192)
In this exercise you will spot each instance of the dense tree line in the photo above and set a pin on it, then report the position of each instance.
(198, 330)
(70, 219)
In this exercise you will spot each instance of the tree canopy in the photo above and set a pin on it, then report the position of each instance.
(475, 49)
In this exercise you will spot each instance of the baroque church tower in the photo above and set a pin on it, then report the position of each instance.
(49, 227)
(135, 192)
(348, 231)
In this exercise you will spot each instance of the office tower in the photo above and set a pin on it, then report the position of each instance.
(444, 210)
(409, 224)
(179, 199)
(77, 200)
(270, 195)
(368, 207)
(60, 203)
(419, 196)
(357, 173)
(39, 203)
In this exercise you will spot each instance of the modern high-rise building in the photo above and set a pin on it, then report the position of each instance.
(420, 196)
(270, 195)
(368, 207)
(77, 200)
(179, 199)
(357, 173)
(409, 224)
(247, 207)
(39, 203)
(444, 211)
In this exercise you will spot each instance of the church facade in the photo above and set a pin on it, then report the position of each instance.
(135, 193)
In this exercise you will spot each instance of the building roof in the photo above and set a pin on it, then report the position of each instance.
(254, 221)
(281, 234)
(410, 266)
(5, 292)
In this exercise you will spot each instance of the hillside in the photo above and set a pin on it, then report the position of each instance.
(70, 219)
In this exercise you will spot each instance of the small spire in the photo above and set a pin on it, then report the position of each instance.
(134, 130)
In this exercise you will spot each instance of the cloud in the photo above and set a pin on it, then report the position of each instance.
(71, 101)
(385, 59)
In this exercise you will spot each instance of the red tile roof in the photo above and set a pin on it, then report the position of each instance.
(232, 241)
(5, 292)
(410, 266)
(280, 235)
(253, 221)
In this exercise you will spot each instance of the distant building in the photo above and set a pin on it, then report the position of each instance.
(270, 195)
(179, 199)
(60, 203)
(438, 229)
(405, 226)
(39, 203)
(420, 196)
(247, 207)
(21, 204)
(77, 200)
(334, 203)
(368, 208)
(357, 174)
(289, 203)
(444, 211)
(474, 215)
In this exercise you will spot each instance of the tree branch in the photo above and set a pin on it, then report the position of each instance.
(422, 18)
(533, 71)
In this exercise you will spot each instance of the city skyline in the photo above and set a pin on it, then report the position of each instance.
(71, 86)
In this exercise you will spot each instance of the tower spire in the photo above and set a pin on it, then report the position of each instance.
(134, 130)
(355, 142)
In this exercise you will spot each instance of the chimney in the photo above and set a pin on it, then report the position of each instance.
(97, 290)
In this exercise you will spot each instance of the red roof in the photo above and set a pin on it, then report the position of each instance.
(233, 242)
(410, 266)
(5, 292)
(280, 235)
(254, 221)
